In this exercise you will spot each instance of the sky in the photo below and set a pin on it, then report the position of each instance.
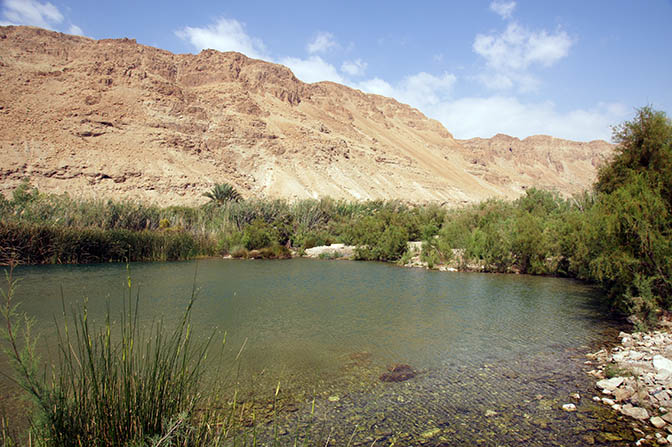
(571, 68)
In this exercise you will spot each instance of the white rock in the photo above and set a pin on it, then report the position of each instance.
(619, 356)
(569, 407)
(608, 401)
(663, 375)
(596, 399)
(635, 412)
(657, 422)
(575, 396)
(669, 438)
(610, 384)
(616, 407)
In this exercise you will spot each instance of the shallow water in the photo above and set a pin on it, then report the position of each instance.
(511, 347)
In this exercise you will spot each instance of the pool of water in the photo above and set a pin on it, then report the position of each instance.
(496, 355)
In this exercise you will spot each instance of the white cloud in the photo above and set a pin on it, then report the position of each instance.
(354, 68)
(503, 9)
(517, 48)
(420, 90)
(322, 42)
(484, 117)
(313, 69)
(224, 35)
(31, 12)
(510, 55)
(74, 29)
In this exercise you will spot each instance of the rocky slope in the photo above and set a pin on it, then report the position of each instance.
(112, 118)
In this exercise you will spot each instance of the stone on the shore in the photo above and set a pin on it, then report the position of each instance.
(596, 399)
(569, 407)
(608, 401)
(667, 417)
(619, 356)
(624, 393)
(657, 422)
(610, 384)
(635, 412)
(490, 413)
(662, 364)
(575, 396)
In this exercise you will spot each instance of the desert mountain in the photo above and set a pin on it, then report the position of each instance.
(112, 118)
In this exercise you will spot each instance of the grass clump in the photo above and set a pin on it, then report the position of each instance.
(611, 370)
(111, 386)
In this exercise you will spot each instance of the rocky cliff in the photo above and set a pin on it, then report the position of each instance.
(112, 118)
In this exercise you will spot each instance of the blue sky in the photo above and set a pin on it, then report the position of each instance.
(568, 68)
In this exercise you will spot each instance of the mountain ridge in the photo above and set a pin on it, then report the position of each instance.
(113, 118)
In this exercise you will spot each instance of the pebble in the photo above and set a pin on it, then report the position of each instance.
(431, 433)
(569, 407)
(645, 391)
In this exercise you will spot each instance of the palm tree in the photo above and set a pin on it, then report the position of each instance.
(222, 193)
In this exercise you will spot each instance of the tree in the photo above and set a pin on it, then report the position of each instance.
(644, 148)
(222, 193)
(634, 209)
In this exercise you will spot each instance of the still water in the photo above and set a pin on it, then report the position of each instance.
(496, 355)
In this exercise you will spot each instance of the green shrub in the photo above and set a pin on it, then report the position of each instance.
(259, 234)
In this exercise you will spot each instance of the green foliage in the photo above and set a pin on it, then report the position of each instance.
(44, 244)
(259, 234)
(611, 370)
(24, 194)
(644, 149)
(222, 193)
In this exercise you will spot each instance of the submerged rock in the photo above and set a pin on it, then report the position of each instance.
(569, 407)
(398, 373)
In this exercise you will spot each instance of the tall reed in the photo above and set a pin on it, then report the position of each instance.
(115, 385)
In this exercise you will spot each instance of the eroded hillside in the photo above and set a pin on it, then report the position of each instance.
(112, 118)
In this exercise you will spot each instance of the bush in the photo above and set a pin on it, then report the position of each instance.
(259, 234)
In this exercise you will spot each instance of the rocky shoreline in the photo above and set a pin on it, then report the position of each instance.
(635, 379)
